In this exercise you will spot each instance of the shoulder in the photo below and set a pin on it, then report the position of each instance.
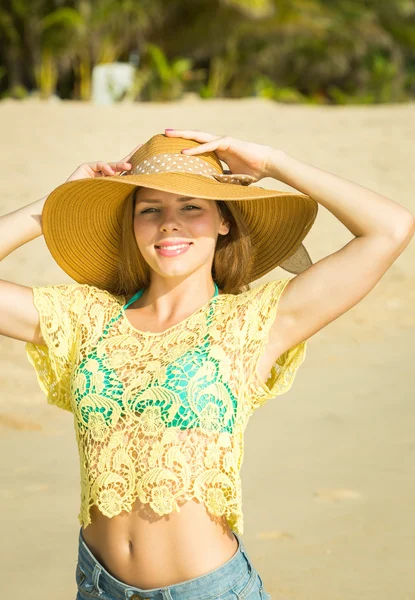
(77, 297)
(258, 304)
(98, 308)
(261, 294)
(102, 295)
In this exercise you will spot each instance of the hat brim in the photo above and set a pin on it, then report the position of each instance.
(81, 220)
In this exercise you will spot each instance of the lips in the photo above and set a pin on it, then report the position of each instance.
(174, 244)
(173, 251)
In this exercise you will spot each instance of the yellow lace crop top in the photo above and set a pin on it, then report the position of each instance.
(159, 416)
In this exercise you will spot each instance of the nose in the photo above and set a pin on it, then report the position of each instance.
(170, 219)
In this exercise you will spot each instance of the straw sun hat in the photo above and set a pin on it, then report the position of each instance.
(81, 219)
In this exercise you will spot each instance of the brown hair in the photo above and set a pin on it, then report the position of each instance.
(232, 260)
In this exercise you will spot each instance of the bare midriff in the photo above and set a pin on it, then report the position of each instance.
(145, 550)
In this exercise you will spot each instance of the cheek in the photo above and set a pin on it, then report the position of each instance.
(203, 225)
(143, 232)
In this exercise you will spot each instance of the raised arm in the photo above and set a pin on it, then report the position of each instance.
(329, 288)
(19, 318)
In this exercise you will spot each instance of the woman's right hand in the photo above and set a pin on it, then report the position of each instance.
(102, 169)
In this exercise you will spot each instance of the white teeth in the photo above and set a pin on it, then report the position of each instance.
(173, 247)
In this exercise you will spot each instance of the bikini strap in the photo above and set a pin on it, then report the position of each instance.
(134, 298)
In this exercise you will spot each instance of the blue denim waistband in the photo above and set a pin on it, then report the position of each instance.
(94, 579)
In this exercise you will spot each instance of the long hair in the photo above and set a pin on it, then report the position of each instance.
(232, 261)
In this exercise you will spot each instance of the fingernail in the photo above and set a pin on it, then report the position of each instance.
(169, 130)
(186, 149)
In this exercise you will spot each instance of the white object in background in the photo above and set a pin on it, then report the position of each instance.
(110, 81)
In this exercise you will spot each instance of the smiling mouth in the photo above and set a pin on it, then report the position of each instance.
(175, 246)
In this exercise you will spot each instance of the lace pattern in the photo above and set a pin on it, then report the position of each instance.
(256, 318)
(158, 416)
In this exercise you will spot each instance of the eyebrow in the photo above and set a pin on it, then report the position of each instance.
(159, 201)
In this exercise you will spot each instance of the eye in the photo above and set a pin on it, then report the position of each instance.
(143, 212)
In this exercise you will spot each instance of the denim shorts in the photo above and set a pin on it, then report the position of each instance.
(235, 579)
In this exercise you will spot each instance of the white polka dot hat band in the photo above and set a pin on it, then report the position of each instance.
(164, 163)
(81, 219)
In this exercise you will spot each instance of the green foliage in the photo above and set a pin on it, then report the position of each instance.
(253, 8)
(291, 51)
(163, 80)
(222, 68)
(59, 28)
(266, 88)
(18, 92)
(340, 97)
(382, 75)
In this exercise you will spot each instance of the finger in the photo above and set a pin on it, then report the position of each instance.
(104, 168)
(208, 147)
(120, 166)
(198, 136)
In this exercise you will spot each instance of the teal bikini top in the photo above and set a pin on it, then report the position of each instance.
(179, 373)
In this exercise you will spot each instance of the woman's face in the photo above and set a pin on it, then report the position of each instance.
(163, 216)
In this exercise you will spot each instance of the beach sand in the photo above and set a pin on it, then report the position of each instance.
(329, 471)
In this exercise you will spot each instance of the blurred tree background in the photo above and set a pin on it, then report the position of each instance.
(293, 51)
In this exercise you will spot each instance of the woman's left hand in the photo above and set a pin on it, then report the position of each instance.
(241, 157)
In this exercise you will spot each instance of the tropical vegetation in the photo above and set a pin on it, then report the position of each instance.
(293, 51)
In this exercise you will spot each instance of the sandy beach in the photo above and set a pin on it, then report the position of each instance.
(329, 471)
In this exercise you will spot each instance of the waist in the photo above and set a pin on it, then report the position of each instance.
(134, 546)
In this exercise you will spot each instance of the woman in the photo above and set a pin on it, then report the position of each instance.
(162, 381)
